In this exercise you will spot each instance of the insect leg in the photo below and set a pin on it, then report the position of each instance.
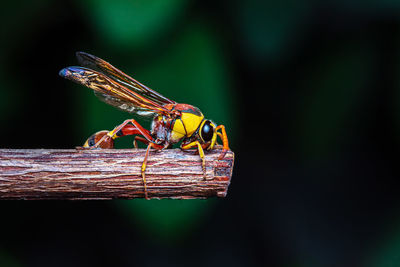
(201, 153)
(128, 127)
(224, 138)
(144, 165)
(141, 139)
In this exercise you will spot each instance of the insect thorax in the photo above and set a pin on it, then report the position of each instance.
(172, 130)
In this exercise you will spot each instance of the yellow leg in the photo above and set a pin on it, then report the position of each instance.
(144, 165)
(201, 153)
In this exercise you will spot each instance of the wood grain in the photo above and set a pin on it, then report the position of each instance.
(111, 174)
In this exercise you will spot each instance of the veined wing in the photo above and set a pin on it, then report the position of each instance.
(100, 65)
(112, 92)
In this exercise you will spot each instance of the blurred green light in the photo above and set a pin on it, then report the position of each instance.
(131, 23)
(166, 220)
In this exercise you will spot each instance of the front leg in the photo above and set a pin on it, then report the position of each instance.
(201, 153)
(224, 138)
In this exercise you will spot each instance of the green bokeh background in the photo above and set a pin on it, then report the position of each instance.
(309, 94)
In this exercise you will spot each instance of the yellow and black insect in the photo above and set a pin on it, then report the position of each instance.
(172, 122)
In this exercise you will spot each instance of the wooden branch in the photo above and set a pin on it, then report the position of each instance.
(111, 173)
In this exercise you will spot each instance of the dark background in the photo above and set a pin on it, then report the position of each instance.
(309, 92)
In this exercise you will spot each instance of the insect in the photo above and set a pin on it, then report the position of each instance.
(172, 122)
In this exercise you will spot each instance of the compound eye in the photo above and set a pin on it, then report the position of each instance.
(207, 131)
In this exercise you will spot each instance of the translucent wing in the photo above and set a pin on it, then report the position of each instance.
(123, 105)
(112, 92)
(100, 65)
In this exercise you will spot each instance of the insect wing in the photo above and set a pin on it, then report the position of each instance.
(93, 62)
(122, 104)
(111, 92)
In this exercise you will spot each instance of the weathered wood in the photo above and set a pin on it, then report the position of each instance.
(111, 174)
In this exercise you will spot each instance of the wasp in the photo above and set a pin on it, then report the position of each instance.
(172, 122)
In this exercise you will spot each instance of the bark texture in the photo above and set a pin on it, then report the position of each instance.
(111, 174)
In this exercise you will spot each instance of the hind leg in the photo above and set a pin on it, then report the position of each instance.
(105, 139)
(141, 139)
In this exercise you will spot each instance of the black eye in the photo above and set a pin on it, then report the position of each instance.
(207, 131)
